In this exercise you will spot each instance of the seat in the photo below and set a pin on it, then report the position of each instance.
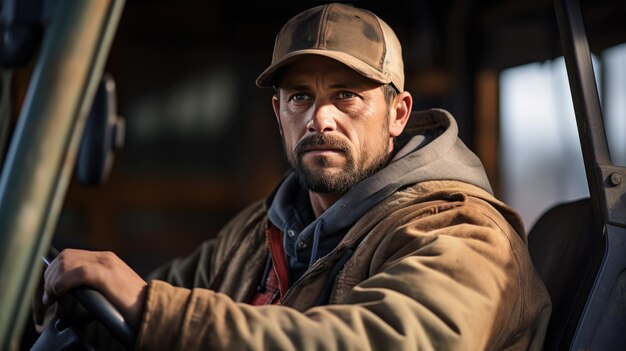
(567, 254)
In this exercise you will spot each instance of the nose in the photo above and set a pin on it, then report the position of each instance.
(322, 119)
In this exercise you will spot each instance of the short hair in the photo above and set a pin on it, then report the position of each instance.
(390, 93)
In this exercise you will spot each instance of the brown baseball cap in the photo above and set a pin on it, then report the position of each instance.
(350, 35)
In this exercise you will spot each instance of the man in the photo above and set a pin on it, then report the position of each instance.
(384, 236)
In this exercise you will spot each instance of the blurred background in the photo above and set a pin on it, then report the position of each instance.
(202, 141)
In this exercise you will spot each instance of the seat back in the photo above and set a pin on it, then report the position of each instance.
(567, 254)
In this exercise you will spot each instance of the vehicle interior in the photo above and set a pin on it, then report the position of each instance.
(135, 127)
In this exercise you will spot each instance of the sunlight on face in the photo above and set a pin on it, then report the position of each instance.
(334, 122)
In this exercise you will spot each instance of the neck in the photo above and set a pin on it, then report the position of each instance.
(321, 202)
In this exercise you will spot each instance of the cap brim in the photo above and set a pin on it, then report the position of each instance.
(268, 78)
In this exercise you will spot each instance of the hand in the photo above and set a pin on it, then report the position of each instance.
(102, 271)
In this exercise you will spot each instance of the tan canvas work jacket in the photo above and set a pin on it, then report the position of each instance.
(439, 264)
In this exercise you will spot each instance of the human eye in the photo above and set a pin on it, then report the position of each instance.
(299, 97)
(346, 95)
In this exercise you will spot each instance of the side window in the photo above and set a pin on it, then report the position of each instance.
(614, 101)
(541, 160)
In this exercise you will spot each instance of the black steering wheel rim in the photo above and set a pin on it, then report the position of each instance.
(101, 309)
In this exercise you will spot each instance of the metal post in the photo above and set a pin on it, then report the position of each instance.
(41, 155)
(603, 321)
(585, 98)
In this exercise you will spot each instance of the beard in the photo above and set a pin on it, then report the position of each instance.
(317, 180)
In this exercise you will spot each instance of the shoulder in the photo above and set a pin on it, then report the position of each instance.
(249, 222)
(444, 204)
(450, 218)
(251, 216)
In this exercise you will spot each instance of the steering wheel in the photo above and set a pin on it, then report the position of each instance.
(62, 336)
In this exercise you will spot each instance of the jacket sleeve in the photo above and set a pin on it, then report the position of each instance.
(462, 285)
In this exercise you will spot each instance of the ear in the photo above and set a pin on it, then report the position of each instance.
(400, 112)
(276, 107)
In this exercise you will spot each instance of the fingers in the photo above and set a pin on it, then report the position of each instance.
(71, 269)
(102, 271)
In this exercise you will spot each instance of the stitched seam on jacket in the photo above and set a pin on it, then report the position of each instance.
(518, 263)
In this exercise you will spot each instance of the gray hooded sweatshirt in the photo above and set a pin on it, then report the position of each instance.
(428, 149)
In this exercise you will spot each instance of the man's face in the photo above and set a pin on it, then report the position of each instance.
(334, 124)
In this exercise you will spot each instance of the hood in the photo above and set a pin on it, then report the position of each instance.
(444, 157)
(428, 149)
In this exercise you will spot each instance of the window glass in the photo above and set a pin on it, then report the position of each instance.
(541, 160)
(614, 99)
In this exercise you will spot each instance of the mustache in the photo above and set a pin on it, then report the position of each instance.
(315, 140)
